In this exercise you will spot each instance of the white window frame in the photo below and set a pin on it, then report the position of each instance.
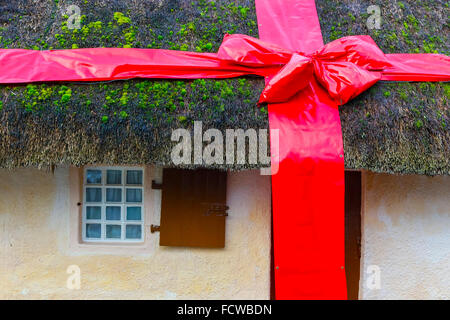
(103, 204)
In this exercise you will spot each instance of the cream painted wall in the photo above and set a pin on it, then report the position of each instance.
(406, 233)
(37, 245)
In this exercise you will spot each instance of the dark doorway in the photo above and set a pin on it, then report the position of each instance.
(352, 232)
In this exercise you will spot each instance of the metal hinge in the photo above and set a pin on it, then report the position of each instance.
(154, 228)
(216, 209)
(156, 186)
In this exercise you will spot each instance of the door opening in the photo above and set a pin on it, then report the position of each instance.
(352, 232)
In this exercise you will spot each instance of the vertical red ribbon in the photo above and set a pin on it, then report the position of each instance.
(308, 190)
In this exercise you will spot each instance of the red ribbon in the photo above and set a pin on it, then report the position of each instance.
(308, 190)
(305, 83)
(345, 67)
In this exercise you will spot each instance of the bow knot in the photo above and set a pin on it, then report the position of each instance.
(345, 67)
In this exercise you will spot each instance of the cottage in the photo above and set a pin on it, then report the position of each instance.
(92, 205)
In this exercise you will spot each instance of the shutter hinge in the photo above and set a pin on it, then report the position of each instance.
(154, 228)
(216, 209)
(156, 186)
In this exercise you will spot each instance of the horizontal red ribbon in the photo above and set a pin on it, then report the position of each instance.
(345, 67)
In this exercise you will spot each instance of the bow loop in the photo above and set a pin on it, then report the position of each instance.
(252, 52)
(359, 50)
(344, 80)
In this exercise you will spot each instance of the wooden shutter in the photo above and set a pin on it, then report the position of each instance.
(352, 232)
(193, 208)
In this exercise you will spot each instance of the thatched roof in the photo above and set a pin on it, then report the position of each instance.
(393, 127)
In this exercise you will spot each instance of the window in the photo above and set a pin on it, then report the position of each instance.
(113, 204)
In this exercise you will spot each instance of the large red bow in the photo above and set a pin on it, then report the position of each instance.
(345, 67)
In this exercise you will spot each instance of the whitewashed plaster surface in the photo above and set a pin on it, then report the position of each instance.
(406, 233)
(37, 246)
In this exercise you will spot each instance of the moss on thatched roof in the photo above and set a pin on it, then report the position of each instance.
(393, 127)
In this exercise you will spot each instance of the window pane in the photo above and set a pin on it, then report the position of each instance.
(134, 213)
(134, 177)
(133, 232)
(112, 213)
(134, 195)
(93, 176)
(114, 177)
(93, 230)
(93, 195)
(113, 232)
(93, 213)
(113, 195)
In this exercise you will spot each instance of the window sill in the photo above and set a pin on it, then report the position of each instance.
(112, 243)
(114, 248)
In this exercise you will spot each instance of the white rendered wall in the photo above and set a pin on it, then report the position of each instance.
(406, 233)
(38, 217)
